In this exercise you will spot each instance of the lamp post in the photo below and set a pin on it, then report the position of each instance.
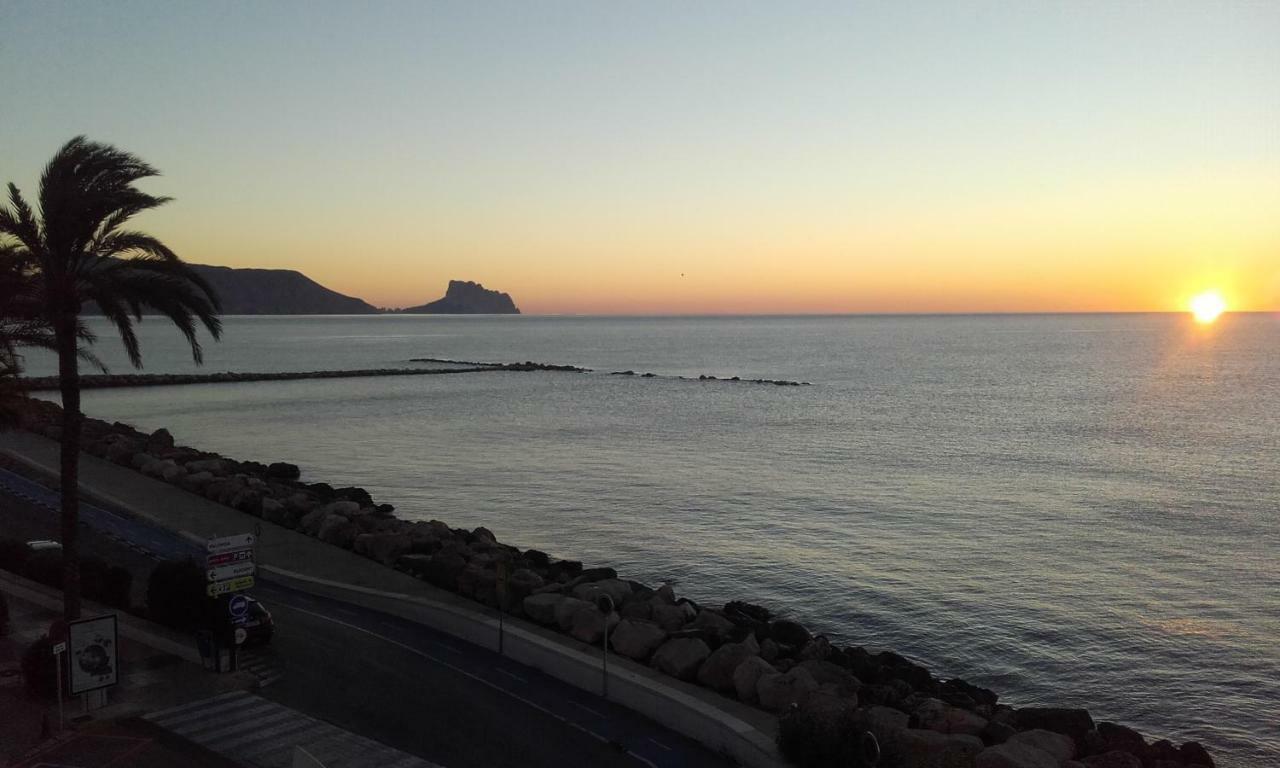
(605, 604)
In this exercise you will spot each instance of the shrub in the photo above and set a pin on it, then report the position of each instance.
(45, 567)
(825, 734)
(39, 675)
(105, 583)
(13, 555)
(176, 596)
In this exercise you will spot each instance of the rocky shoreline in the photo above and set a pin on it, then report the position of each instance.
(821, 691)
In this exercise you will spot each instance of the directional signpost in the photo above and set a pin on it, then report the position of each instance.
(229, 564)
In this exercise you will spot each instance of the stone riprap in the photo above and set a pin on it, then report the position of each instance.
(739, 649)
(103, 381)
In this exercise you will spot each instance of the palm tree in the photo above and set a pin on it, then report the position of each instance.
(77, 251)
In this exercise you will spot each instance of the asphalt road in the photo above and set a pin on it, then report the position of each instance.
(403, 684)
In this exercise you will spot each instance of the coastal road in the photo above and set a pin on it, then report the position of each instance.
(405, 685)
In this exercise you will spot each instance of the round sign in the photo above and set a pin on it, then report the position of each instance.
(238, 606)
(241, 635)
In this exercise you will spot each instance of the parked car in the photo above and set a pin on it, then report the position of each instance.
(260, 626)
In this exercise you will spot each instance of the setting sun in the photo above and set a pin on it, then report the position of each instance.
(1207, 306)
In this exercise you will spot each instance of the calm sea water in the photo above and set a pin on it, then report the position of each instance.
(1078, 510)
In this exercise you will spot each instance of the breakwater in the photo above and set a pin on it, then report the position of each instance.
(106, 381)
(739, 648)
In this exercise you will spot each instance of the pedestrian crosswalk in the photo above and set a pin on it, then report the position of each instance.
(262, 663)
(256, 732)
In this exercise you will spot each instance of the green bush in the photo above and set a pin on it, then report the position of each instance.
(99, 581)
(176, 596)
(39, 675)
(105, 583)
(13, 555)
(45, 567)
(825, 734)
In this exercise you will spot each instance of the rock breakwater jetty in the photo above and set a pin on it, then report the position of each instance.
(826, 696)
(106, 381)
(707, 377)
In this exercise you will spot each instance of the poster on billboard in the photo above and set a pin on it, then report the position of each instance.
(94, 658)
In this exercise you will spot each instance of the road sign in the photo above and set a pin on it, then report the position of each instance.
(226, 558)
(238, 608)
(233, 571)
(229, 543)
(227, 587)
(59, 648)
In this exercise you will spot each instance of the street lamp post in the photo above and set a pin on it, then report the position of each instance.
(605, 604)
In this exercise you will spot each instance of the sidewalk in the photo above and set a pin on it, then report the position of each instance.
(150, 678)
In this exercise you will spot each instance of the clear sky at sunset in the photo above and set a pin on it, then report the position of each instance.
(687, 157)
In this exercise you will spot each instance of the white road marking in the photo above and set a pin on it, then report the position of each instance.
(588, 709)
(480, 680)
(510, 674)
(659, 744)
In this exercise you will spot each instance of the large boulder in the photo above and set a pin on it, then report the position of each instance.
(159, 442)
(386, 548)
(1120, 737)
(790, 633)
(157, 468)
(479, 582)
(636, 639)
(617, 590)
(937, 715)
(283, 470)
(1072, 722)
(714, 623)
(310, 522)
(218, 467)
(1114, 759)
(445, 567)
(589, 625)
(520, 584)
(672, 617)
(831, 676)
(747, 674)
(337, 530)
(542, 607)
(776, 692)
(1060, 746)
(717, 671)
(1011, 755)
(271, 508)
(885, 723)
(566, 609)
(196, 481)
(681, 657)
(921, 748)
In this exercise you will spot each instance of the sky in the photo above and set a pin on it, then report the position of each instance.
(675, 157)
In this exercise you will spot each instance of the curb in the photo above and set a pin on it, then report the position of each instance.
(685, 714)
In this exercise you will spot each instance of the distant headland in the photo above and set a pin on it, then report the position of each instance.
(289, 292)
(468, 298)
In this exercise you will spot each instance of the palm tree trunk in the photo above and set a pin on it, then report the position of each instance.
(69, 384)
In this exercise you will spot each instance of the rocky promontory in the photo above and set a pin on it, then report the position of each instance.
(467, 298)
(827, 697)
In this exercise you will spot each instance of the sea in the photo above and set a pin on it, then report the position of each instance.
(1074, 510)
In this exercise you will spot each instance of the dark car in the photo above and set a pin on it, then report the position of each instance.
(259, 626)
